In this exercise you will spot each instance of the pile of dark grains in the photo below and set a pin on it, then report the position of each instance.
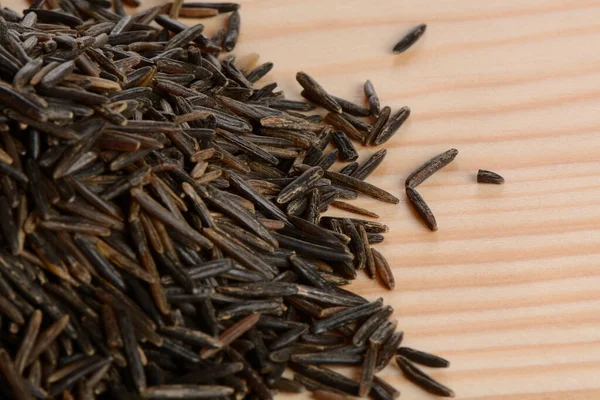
(161, 223)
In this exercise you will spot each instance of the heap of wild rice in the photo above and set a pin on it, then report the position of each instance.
(161, 218)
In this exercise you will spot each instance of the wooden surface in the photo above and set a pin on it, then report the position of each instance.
(509, 288)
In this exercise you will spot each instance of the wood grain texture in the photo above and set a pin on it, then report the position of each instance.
(508, 288)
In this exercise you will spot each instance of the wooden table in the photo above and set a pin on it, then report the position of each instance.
(509, 288)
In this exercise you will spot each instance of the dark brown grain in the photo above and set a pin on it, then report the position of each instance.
(484, 176)
(410, 38)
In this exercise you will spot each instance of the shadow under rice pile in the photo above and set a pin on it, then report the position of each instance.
(161, 216)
